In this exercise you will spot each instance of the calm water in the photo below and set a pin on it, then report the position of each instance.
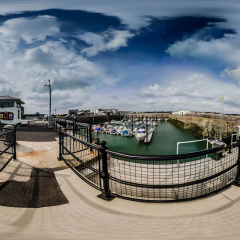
(164, 141)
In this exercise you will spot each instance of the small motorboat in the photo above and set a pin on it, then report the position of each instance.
(141, 134)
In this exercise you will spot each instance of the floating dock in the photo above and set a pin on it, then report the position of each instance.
(149, 136)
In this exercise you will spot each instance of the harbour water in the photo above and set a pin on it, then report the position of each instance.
(164, 141)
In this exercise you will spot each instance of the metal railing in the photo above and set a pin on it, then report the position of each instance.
(147, 178)
(7, 146)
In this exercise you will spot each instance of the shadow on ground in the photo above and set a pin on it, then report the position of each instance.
(42, 190)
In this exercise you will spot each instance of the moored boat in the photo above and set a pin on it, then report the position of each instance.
(141, 134)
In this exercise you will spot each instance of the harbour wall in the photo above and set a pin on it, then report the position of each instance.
(204, 127)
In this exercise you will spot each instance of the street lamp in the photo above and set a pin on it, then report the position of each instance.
(49, 116)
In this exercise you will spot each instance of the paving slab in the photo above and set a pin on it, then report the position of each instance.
(40, 154)
(84, 216)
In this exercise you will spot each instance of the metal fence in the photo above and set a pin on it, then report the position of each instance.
(164, 178)
(7, 146)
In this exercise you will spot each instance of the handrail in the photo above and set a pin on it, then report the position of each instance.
(192, 142)
(10, 143)
(69, 121)
(6, 132)
(165, 157)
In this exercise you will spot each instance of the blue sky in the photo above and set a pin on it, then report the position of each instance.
(129, 55)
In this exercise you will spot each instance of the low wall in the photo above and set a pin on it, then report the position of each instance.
(97, 119)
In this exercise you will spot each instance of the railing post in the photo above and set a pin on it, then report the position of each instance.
(74, 126)
(60, 144)
(238, 169)
(14, 143)
(106, 193)
(90, 135)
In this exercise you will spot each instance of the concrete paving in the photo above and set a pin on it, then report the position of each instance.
(84, 216)
(36, 131)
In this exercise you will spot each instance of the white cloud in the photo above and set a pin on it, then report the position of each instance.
(110, 40)
(151, 101)
(235, 73)
(192, 85)
(224, 50)
(24, 69)
(204, 90)
(28, 29)
(62, 65)
(72, 76)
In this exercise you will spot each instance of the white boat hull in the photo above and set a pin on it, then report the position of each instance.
(140, 136)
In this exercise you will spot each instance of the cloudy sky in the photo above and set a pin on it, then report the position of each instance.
(137, 55)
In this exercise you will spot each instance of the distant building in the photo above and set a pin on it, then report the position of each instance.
(72, 112)
(83, 112)
(181, 112)
(11, 110)
(89, 113)
(101, 111)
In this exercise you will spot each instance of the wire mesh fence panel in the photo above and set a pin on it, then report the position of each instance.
(7, 142)
(163, 178)
(86, 160)
(191, 178)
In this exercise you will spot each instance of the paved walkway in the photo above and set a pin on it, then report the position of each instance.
(81, 215)
(36, 131)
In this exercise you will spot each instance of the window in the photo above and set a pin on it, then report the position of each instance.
(6, 104)
(18, 113)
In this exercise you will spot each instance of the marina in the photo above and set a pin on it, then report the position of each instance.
(161, 141)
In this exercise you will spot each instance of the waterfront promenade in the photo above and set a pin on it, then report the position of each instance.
(41, 198)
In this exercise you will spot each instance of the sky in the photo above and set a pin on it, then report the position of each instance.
(133, 55)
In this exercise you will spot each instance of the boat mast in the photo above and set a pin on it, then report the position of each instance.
(146, 128)
(132, 122)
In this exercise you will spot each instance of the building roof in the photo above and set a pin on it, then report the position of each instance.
(7, 97)
(110, 109)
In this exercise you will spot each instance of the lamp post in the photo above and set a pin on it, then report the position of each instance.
(49, 116)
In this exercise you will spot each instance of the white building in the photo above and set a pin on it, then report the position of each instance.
(101, 111)
(181, 112)
(10, 110)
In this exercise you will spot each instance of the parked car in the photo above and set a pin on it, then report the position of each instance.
(40, 117)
